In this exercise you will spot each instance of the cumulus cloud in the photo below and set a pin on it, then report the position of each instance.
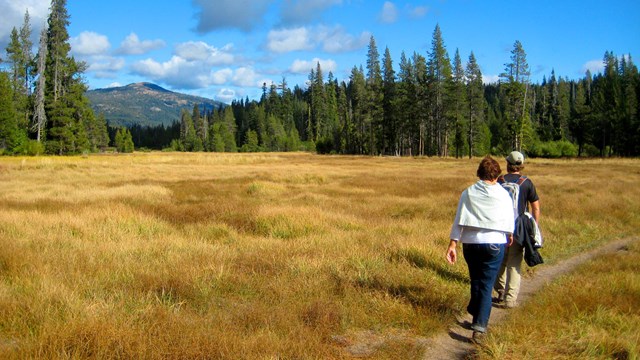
(132, 45)
(389, 13)
(106, 66)
(201, 51)
(89, 43)
(221, 76)
(330, 39)
(229, 14)
(287, 40)
(303, 11)
(337, 40)
(114, 84)
(245, 76)
(595, 66)
(13, 16)
(192, 66)
(180, 73)
(305, 66)
(225, 95)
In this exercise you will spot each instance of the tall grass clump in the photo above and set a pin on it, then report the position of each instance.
(257, 256)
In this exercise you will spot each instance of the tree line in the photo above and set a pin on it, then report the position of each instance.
(425, 106)
(432, 106)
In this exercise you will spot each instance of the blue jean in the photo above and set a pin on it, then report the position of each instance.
(484, 261)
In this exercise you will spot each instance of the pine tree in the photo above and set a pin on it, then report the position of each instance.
(39, 114)
(124, 141)
(66, 106)
(423, 105)
(331, 129)
(201, 127)
(457, 105)
(516, 85)
(375, 96)
(405, 106)
(9, 138)
(358, 105)
(476, 101)
(439, 74)
(317, 107)
(389, 107)
(188, 135)
(630, 126)
(228, 130)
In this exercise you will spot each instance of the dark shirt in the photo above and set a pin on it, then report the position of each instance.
(527, 193)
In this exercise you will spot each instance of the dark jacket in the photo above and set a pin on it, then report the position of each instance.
(524, 235)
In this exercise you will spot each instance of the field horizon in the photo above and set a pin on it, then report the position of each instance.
(269, 255)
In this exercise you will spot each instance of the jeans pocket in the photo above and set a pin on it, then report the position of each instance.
(494, 249)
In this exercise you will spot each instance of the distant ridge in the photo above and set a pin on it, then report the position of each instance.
(144, 104)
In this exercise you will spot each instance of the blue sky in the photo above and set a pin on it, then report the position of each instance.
(226, 49)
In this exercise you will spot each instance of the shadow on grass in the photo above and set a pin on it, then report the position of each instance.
(417, 259)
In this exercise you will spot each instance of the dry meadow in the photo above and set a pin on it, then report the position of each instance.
(259, 256)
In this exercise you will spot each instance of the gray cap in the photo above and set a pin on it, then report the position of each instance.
(515, 158)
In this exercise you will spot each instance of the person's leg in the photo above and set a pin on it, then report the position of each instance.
(472, 257)
(513, 260)
(501, 279)
(490, 261)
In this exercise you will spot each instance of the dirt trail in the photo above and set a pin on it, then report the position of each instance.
(455, 344)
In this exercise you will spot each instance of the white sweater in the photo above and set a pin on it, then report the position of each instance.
(484, 215)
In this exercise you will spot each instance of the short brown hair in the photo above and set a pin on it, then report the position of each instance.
(514, 168)
(489, 169)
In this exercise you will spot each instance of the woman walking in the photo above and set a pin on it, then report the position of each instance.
(484, 225)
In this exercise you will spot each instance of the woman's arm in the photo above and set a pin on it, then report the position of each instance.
(452, 255)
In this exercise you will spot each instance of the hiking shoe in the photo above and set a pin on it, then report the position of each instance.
(478, 337)
(509, 304)
(497, 300)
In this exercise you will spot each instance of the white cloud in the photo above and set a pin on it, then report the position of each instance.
(106, 66)
(287, 40)
(13, 16)
(89, 43)
(305, 67)
(183, 74)
(200, 51)
(304, 11)
(176, 72)
(132, 45)
(230, 14)
(114, 84)
(337, 40)
(389, 13)
(595, 66)
(221, 76)
(330, 39)
(490, 79)
(245, 76)
(191, 66)
(225, 95)
(418, 12)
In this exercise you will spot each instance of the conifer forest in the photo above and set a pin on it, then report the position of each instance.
(425, 105)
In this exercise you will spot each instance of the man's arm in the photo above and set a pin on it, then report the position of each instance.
(535, 210)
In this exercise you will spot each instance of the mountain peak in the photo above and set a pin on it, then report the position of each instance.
(145, 104)
(148, 85)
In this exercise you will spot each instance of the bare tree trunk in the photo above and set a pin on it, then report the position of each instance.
(40, 116)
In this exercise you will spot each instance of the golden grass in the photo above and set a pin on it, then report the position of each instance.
(589, 314)
(258, 256)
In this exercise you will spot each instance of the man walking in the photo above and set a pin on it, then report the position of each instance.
(507, 284)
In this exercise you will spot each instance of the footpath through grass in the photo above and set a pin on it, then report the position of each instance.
(258, 256)
(591, 313)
